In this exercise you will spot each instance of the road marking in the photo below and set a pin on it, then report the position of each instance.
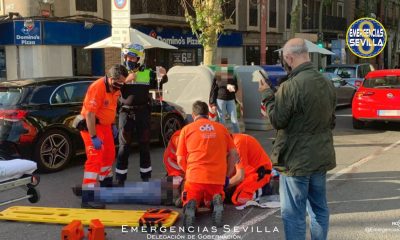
(249, 223)
(362, 161)
(263, 216)
(344, 115)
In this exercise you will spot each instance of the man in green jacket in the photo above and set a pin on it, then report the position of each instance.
(303, 112)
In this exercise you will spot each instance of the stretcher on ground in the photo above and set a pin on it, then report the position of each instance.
(111, 218)
(19, 173)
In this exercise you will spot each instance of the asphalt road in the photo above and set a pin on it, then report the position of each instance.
(363, 193)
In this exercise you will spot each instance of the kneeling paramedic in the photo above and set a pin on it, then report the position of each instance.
(207, 154)
(174, 172)
(135, 112)
(98, 131)
(253, 172)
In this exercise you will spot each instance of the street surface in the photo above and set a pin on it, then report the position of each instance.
(363, 193)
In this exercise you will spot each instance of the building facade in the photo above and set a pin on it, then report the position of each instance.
(41, 38)
(67, 26)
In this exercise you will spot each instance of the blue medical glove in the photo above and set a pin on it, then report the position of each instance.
(114, 131)
(97, 143)
(226, 182)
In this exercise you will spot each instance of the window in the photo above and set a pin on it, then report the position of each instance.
(273, 14)
(82, 60)
(252, 55)
(253, 13)
(86, 5)
(41, 94)
(3, 68)
(70, 93)
(340, 9)
(10, 96)
(288, 13)
(328, 9)
(229, 10)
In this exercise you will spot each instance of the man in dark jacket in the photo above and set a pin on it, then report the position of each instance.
(303, 112)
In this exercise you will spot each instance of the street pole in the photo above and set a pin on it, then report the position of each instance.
(320, 31)
(263, 42)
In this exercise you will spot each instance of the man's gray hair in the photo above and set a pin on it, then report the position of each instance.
(297, 49)
(116, 71)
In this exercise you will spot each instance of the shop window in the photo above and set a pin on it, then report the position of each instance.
(82, 60)
(3, 69)
(86, 5)
(252, 55)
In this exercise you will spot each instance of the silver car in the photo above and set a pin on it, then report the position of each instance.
(344, 91)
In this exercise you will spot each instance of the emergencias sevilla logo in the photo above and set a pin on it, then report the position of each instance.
(120, 3)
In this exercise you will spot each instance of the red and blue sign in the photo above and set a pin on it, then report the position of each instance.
(120, 4)
(27, 32)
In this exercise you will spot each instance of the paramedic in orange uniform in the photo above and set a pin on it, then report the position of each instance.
(207, 154)
(170, 160)
(99, 109)
(253, 171)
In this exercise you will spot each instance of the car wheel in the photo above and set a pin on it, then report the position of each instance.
(171, 123)
(357, 124)
(53, 151)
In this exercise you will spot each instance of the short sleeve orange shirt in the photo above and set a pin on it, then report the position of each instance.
(251, 153)
(205, 145)
(101, 102)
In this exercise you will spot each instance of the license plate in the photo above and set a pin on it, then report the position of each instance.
(388, 113)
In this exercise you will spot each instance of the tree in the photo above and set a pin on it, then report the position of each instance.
(207, 23)
(294, 19)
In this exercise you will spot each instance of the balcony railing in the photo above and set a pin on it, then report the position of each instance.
(160, 7)
(331, 23)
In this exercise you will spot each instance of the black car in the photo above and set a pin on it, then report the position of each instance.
(36, 120)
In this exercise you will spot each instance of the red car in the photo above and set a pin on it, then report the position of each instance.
(378, 99)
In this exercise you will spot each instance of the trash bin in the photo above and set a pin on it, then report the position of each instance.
(253, 119)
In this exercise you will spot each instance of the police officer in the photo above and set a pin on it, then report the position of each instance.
(134, 114)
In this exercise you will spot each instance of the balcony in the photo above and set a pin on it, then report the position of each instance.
(329, 23)
(158, 12)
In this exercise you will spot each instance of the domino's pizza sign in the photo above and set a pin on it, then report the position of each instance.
(27, 32)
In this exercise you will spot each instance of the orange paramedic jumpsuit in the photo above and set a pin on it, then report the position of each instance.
(169, 159)
(101, 100)
(204, 144)
(252, 159)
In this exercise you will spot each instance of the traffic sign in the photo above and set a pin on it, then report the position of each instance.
(120, 35)
(121, 13)
(120, 20)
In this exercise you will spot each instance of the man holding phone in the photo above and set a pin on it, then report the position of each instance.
(303, 112)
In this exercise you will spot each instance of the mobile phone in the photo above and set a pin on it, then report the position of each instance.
(267, 81)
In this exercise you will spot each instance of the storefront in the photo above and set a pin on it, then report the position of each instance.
(41, 48)
(190, 51)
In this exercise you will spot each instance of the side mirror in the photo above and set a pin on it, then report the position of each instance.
(343, 82)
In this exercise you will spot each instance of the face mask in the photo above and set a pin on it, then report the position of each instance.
(131, 65)
(117, 85)
(286, 66)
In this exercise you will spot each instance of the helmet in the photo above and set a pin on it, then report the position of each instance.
(133, 50)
